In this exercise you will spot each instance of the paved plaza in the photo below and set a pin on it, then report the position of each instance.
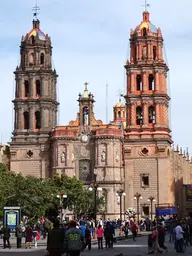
(127, 248)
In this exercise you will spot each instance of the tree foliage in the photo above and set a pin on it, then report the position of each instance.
(38, 197)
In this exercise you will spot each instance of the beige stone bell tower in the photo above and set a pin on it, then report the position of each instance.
(35, 105)
(147, 137)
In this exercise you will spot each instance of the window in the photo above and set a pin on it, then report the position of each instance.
(119, 114)
(144, 52)
(146, 210)
(139, 83)
(139, 116)
(154, 52)
(42, 59)
(151, 83)
(26, 120)
(144, 32)
(151, 112)
(38, 88)
(37, 120)
(144, 180)
(26, 89)
(33, 39)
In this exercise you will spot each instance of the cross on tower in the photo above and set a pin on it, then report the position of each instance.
(119, 94)
(35, 10)
(146, 5)
(86, 84)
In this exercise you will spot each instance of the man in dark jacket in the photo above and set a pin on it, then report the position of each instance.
(55, 240)
(19, 235)
(88, 237)
(6, 236)
(108, 233)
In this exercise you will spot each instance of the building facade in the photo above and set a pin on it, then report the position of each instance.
(133, 152)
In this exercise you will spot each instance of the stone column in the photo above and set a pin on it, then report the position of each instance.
(133, 117)
(31, 118)
(157, 81)
(132, 82)
(31, 86)
(137, 55)
(20, 87)
(149, 51)
(42, 109)
(145, 114)
(19, 118)
(144, 84)
(160, 51)
(42, 86)
(157, 112)
(140, 52)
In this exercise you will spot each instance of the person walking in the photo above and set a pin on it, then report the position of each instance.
(19, 235)
(55, 240)
(74, 240)
(87, 237)
(28, 237)
(109, 233)
(134, 230)
(6, 236)
(35, 235)
(99, 233)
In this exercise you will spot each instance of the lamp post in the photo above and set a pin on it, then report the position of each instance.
(61, 198)
(151, 199)
(120, 193)
(95, 187)
(137, 197)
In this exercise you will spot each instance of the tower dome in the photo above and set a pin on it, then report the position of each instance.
(35, 32)
(146, 25)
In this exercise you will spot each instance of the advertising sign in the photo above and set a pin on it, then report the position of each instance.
(166, 211)
(188, 192)
(12, 216)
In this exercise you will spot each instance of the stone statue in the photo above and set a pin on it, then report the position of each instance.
(103, 156)
(63, 157)
(117, 156)
(72, 157)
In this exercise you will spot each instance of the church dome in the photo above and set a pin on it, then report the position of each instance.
(146, 23)
(35, 31)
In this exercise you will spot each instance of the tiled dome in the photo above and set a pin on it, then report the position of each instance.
(147, 25)
(37, 32)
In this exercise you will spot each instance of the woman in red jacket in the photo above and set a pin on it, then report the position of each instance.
(99, 233)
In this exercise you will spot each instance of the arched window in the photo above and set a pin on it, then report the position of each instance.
(26, 120)
(86, 116)
(38, 88)
(154, 52)
(119, 114)
(151, 82)
(26, 89)
(33, 39)
(139, 82)
(32, 58)
(151, 112)
(139, 116)
(37, 120)
(42, 59)
(144, 32)
(144, 53)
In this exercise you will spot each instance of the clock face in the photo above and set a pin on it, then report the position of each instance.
(84, 138)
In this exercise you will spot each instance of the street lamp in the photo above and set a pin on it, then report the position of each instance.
(120, 193)
(137, 197)
(151, 199)
(61, 198)
(95, 187)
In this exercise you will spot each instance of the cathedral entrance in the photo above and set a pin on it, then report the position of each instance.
(85, 173)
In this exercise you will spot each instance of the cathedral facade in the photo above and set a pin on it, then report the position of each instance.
(134, 152)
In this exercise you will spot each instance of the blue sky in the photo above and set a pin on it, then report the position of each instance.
(91, 42)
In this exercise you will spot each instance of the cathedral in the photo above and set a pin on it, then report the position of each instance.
(133, 153)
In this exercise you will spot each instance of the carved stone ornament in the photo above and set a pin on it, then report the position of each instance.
(63, 157)
(85, 170)
(116, 156)
(84, 151)
(103, 156)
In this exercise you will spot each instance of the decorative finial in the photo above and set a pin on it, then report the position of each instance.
(184, 154)
(181, 151)
(119, 95)
(86, 84)
(146, 5)
(177, 148)
(35, 10)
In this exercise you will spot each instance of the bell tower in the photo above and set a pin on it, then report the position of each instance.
(35, 104)
(147, 135)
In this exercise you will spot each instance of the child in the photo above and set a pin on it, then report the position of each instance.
(150, 244)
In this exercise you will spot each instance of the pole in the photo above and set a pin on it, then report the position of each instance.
(138, 209)
(61, 208)
(151, 209)
(95, 204)
(120, 208)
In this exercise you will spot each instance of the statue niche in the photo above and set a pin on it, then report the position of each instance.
(85, 116)
(85, 174)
